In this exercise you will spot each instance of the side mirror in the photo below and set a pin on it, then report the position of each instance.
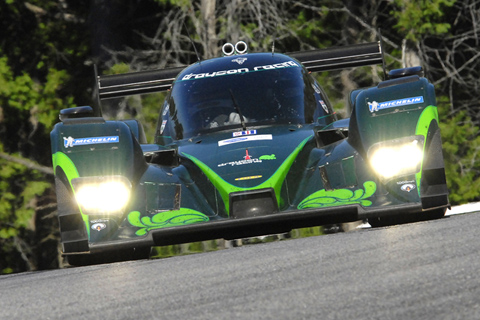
(77, 112)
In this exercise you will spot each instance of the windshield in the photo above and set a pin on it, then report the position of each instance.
(249, 94)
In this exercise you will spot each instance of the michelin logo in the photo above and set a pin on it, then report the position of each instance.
(375, 106)
(71, 142)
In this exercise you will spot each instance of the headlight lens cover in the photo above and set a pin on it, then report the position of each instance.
(397, 157)
(102, 195)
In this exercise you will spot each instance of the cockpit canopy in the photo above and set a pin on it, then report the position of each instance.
(241, 91)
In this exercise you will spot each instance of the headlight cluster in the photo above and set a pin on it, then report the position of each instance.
(102, 195)
(397, 157)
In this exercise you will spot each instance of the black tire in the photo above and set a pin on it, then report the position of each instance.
(377, 222)
(108, 257)
(433, 214)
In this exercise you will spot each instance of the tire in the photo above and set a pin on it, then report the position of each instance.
(377, 222)
(433, 214)
(108, 257)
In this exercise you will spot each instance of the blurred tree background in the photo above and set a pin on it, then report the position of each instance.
(48, 49)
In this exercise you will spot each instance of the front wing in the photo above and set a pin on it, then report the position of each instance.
(255, 226)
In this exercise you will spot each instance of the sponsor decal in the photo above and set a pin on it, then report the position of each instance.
(376, 106)
(72, 142)
(165, 111)
(248, 178)
(340, 197)
(277, 66)
(244, 133)
(214, 74)
(406, 181)
(268, 157)
(180, 217)
(99, 226)
(248, 159)
(244, 139)
(324, 105)
(407, 187)
(193, 76)
(164, 123)
(239, 60)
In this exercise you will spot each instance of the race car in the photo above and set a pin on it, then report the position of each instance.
(246, 144)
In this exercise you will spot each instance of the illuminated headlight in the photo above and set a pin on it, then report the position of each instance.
(100, 195)
(397, 157)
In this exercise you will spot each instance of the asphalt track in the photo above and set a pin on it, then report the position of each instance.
(426, 270)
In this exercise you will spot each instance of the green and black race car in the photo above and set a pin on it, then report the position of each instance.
(246, 144)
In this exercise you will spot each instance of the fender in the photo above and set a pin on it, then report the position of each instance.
(89, 147)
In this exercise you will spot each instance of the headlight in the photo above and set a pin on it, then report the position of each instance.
(397, 157)
(97, 195)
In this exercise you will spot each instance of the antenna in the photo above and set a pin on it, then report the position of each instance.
(97, 105)
(380, 43)
(273, 42)
(193, 44)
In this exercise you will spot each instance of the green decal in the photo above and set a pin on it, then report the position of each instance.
(165, 219)
(60, 159)
(275, 181)
(428, 115)
(268, 157)
(339, 197)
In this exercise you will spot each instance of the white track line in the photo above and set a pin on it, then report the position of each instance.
(464, 208)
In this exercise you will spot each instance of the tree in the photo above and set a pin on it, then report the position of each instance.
(34, 86)
(448, 46)
(27, 109)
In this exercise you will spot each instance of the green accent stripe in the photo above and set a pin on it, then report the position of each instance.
(275, 181)
(428, 115)
(327, 126)
(63, 161)
(325, 116)
(60, 159)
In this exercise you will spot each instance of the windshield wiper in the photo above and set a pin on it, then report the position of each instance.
(237, 108)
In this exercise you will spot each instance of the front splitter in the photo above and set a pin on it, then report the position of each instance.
(254, 226)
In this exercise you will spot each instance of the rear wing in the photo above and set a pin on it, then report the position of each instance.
(120, 85)
(114, 86)
(341, 57)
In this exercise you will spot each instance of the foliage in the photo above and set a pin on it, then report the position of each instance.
(444, 34)
(36, 50)
(27, 108)
(417, 18)
(461, 146)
